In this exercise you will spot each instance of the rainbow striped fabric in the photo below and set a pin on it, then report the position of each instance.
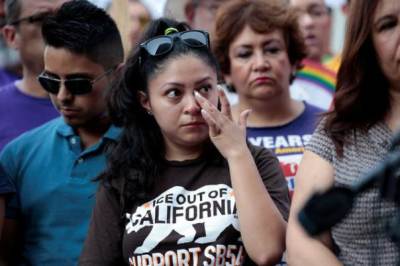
(318, 74)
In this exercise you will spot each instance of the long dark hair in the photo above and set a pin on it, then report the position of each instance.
(139, 157)
(362, 96)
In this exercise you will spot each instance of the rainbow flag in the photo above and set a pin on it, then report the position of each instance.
(317, 74)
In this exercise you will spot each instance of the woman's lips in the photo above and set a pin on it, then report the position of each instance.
(262, 80)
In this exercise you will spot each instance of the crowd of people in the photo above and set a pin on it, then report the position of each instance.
(202, 144)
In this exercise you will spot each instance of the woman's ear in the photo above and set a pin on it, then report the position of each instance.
(144, 101)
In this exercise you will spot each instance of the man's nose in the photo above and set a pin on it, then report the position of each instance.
(64, 94)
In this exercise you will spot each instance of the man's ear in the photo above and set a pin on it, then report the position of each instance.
(11, 37)
(144, 101)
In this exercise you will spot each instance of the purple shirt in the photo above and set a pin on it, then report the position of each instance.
(6, 77)
(20, 112)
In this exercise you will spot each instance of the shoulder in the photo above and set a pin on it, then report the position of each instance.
(312, 109)
(263, 156)
(312, 113)
(35, 136)
(7, 91)
(259, 151)
(321, 143)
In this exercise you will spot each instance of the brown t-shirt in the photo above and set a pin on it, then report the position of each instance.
(191, 219)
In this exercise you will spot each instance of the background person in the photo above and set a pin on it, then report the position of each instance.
(139, 17)
(259, 47)
(177, 145)
(314, 83)
(315, 23)
(201, 14)
(24, 104)
(53, 167)
(9, 61)
(351, 140)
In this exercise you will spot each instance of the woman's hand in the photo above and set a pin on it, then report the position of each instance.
(227, 136)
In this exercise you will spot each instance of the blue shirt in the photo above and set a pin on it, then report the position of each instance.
(6, 187)
(287, 141)
(55, 190)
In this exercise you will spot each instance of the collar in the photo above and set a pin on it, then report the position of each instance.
(67, 131)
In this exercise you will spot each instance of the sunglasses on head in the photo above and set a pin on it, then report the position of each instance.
(36, 18)
(76, 86)
(163, 44)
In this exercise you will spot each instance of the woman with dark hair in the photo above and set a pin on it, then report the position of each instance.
(182, 184)
(351, 140)
(259, 46)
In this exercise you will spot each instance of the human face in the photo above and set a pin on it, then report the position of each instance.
(172, 103)
(139, 18)
(314, 21)
(29, 35)
(386, 39)
(205, 14)
(79, 111)
(259, 65)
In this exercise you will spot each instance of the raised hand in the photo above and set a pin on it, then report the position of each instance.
(229, 137)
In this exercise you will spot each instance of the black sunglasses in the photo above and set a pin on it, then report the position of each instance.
(36, 18)
(76, 86)
(161, 45)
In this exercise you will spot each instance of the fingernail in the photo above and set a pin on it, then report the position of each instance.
(197, 94)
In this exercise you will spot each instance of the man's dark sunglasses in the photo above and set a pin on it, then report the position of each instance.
(36, 18)
(76, 86)
(161, 45)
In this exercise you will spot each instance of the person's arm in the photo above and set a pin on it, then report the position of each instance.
(103, 244)
(314, 174)
(261, 224)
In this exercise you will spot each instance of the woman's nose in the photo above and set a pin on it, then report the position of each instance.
(192, 107)
(260, 61)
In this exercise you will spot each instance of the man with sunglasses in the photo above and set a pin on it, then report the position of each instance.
(24, 104)
(54, 167)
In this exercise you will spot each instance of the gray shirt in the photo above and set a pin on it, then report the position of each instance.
(361, 237)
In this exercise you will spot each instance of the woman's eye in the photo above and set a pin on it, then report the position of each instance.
(387, 25)
(272, 50)
(243, 54)
(173, 93)
(204, 89)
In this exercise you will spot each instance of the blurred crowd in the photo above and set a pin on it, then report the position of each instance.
(194, 132)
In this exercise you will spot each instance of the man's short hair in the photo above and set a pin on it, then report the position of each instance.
(85, 29)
